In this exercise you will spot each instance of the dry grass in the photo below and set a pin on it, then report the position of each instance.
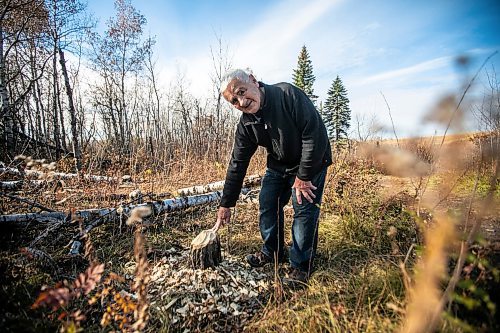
(365, 235)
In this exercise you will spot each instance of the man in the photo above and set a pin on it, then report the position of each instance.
(282, 119)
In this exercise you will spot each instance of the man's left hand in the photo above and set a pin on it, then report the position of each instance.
(304, 188)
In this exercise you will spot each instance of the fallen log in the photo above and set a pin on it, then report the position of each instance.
(100, 216)
(11, 185)
(17, 184)
(156, 208)
(206, 250)
(216, 186)
(199, 189)
(122, 196)
(55, 216)
(37, 174)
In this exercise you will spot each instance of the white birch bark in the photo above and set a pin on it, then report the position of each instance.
(216, 186)
(157, 207)
(15, 184)
(54, 175)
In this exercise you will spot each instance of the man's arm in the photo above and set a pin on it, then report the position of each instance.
(243, 151)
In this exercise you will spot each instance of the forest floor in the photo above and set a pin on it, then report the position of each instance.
(358, 284)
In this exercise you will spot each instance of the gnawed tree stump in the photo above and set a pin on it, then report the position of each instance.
(206, 250)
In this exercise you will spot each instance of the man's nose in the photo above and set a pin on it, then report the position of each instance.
(241, 100)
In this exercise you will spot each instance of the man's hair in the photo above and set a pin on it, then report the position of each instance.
(242, 75)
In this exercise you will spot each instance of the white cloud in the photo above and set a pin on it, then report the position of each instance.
(269, 47)
(408, 71)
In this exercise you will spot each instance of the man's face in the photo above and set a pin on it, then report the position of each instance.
(243, 96)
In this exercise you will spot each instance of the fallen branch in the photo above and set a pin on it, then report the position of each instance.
(51, 228)
(118, 196)
(53, 216)
(156, 208)
(216, 186)
(16, 184)
(54, 175)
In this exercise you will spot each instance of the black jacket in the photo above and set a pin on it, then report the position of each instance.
(290, 128)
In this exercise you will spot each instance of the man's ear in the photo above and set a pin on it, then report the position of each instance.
(252, 78)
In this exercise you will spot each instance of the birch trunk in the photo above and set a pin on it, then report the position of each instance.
(216, 186)
(16, 184)
(72, 112)
(106, 214)
(8, 120)
(55, 119)
(55, 175)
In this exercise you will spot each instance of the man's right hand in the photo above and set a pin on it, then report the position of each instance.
(223, 217)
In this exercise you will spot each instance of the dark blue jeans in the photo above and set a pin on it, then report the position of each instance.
(274, 195)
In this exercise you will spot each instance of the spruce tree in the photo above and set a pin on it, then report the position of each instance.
(337, 114)
(303, 76)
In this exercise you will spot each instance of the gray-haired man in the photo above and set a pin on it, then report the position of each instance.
(282, 119)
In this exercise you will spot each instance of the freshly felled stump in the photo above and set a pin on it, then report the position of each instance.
(206, 250)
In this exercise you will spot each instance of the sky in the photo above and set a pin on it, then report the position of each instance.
(405, 50)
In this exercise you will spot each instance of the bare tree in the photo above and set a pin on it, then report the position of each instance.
(487, 113)
(21, 21)
(119, 54)
(68, 22)
(221, 63)
(367, 129)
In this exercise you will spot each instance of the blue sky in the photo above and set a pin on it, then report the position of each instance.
(404, 49)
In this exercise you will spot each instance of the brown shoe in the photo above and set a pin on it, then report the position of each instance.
(296, 278)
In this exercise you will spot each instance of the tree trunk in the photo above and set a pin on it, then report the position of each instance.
(61, 116)
(8, 119)
(249, 181)
(72, 112)
(16, 184)
(55, 120)
(35, 174)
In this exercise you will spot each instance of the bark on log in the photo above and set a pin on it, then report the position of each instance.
(57, 216)
(54, 175)
(106, 214)
(11, 185)
(216, 186)
(206, 250)
(16, 184)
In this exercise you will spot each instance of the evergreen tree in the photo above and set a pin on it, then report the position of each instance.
(303, 76)
(337, 114)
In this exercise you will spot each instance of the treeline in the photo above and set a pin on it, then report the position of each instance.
(67, 89)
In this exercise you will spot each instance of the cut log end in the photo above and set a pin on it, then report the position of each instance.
(206, 250)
